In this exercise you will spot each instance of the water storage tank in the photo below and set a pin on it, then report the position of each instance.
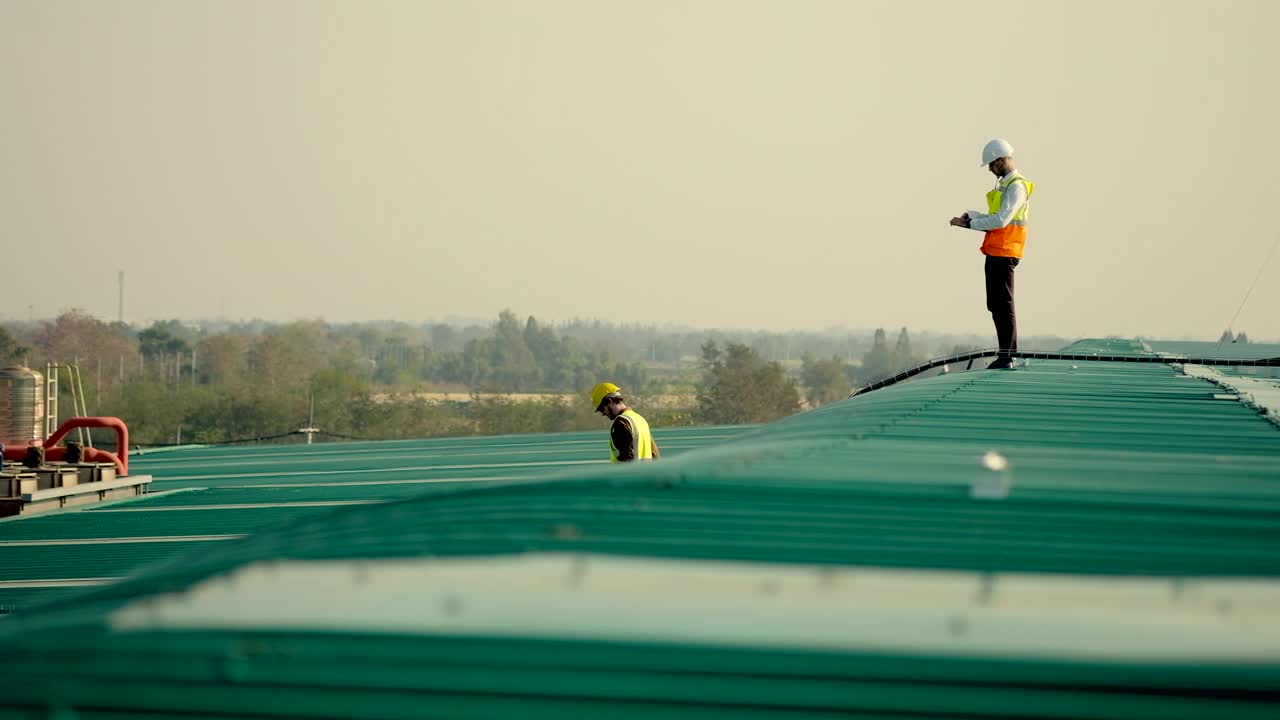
(21, 406)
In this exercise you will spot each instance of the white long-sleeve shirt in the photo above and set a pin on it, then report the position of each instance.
(1011, 201)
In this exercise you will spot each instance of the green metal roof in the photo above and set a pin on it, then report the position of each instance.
(977, 544)
(204, 496)
(1232, 350)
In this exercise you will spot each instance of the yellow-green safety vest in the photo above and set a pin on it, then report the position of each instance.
(639, 430)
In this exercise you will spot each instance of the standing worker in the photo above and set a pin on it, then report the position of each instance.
(1005, 225)
(629, 435)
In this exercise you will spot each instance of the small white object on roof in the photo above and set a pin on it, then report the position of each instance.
(993, 460)
(994, 481)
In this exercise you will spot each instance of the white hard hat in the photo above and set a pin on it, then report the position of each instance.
(995, 150)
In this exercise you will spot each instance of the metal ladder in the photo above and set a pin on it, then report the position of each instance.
(53, 372)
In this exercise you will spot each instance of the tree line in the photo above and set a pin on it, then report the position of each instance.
(177, 382)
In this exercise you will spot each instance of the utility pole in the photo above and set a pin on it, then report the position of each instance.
(120, 304)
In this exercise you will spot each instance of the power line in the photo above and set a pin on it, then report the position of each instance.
(1248, 292)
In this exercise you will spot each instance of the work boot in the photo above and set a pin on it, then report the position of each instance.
(1002, 363)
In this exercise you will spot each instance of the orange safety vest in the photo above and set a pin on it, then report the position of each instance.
(1008, 240)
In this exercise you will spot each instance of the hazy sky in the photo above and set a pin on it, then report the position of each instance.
(779, 164)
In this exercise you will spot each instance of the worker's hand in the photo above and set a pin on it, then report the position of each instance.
(962, 221)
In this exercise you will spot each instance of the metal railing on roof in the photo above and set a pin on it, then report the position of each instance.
(969, 357)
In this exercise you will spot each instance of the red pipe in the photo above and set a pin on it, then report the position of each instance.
(121, 461)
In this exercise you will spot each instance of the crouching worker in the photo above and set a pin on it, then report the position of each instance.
(629, 435)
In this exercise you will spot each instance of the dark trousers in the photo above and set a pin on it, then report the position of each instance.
(999, 271)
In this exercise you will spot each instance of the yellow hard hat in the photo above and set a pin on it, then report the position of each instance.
(601, 391)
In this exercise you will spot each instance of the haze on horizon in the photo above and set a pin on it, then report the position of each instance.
(711, 163)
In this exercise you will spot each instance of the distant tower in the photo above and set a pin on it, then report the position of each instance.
(120, 305)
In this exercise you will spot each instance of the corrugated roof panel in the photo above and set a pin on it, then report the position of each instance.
(1082, 470)
(61, 562)
(258, 487)
(129, 520)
